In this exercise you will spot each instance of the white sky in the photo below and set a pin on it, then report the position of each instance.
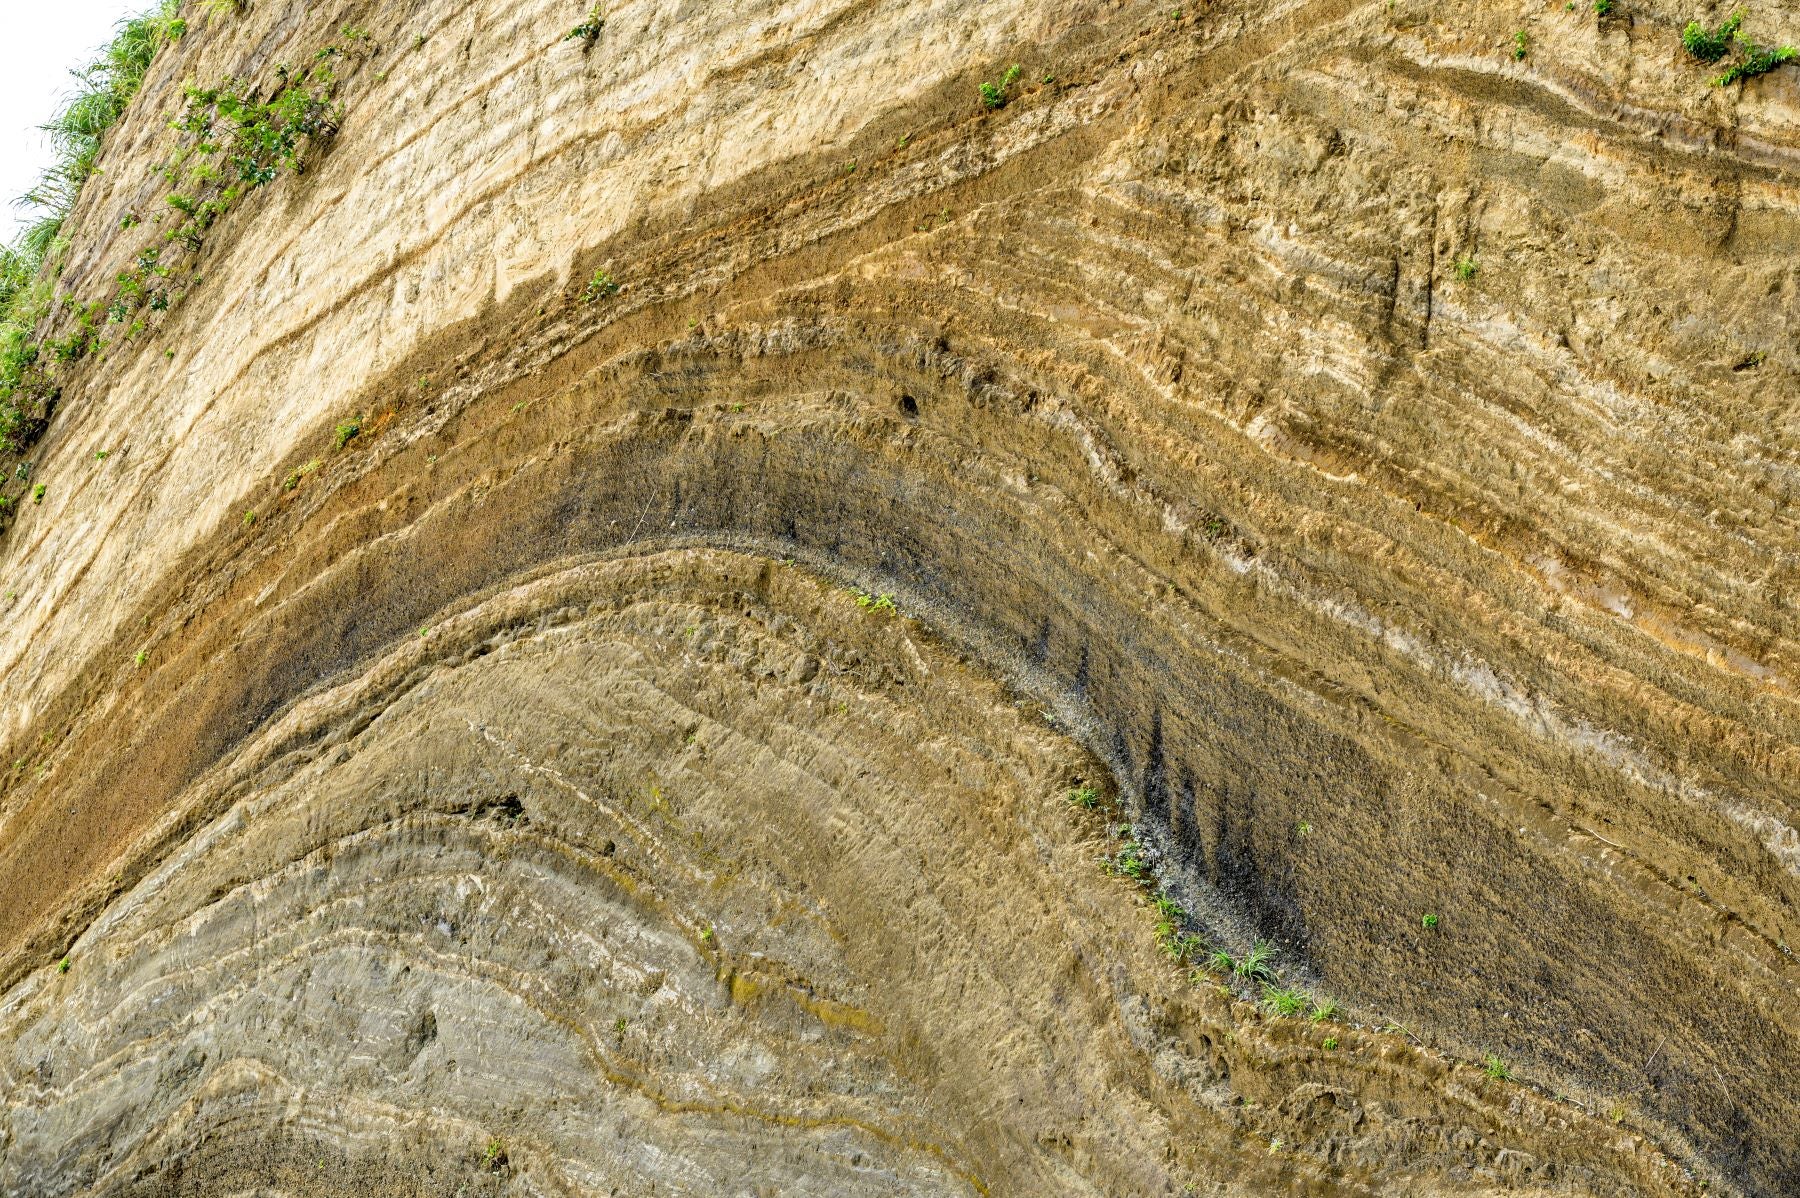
(44, 41)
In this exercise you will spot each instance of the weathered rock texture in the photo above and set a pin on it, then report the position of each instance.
(524, 776)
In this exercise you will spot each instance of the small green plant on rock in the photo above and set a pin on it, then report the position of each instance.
(1710, 45)
(599, 287)
(1466, 267)
(494, 1155)
(1429, 922)
(1283, 1002)
(37, 493)
(62, 966)
(993, 95)
(1323, 1009)
(1255, 967)
(1602, 7)
(1132, 862)
(1758, 60)
(870, 602)
(294, 477)
(1175, 944)
(1085, 797)
(589, 30)
(1331, 1042)
(1495, 1068)
(1520, 45)
(140, 657)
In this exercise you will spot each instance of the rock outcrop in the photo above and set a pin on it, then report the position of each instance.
(569, 675)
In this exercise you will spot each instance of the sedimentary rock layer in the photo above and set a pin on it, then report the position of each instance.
(1364, 453)
(683, 873)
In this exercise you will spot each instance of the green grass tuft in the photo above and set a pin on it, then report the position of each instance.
(1283, 1002)
(1710, 45)
(1255, 967)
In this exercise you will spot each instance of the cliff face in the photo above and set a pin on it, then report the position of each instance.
(487, 723)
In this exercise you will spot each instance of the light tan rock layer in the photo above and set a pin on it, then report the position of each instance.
(1157, 393)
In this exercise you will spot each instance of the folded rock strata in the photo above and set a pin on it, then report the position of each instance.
(1361, 454)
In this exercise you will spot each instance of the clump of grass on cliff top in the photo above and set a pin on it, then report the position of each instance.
(235, 143)
(103, 88)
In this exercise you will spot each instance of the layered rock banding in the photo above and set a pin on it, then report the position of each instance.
(1362, 453)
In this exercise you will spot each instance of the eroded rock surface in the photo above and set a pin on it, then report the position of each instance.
(1364, 454)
